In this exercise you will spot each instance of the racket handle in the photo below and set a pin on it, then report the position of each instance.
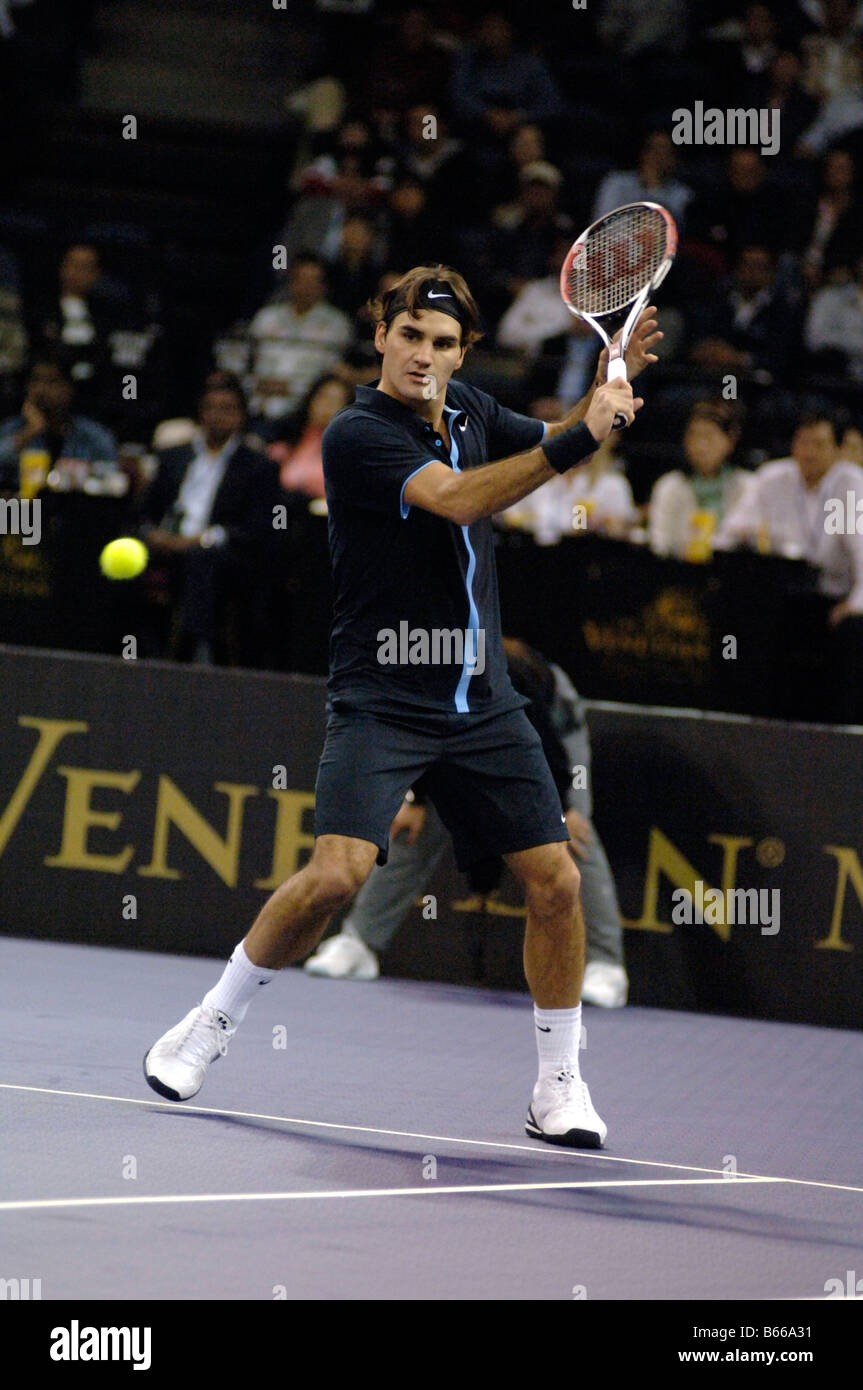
(617, 372)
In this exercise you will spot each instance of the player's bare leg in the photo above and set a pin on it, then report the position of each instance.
(554, 935)
(293, 920)
(561, 1111)
(289, 925)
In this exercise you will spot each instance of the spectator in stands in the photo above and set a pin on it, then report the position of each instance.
(426, 151)
(782, 91)
(830, 56)
(298, 451)
(686, 506)
(351, 175)
(409, 63)
(835, 231)
(352, 275)
(415, 231)
(851, 447)
(834, 327)
(208, 516)
(94, 325)
(633, 29)
(47, 422)
(746, 211)
(13, 333)
(798, 506)
(744, 54)
(598, 487)
(526, 146)
(496, 87)
(538, 313)
(753, 324)
(294, 340)
(653, 181)
(833, 75)
(527, 235)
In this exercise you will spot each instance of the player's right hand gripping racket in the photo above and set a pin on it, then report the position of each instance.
(612, 270)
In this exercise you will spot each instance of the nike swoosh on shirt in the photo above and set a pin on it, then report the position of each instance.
(543, 1030)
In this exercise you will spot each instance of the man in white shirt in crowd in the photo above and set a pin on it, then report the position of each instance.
(810, 505)
(294, 341)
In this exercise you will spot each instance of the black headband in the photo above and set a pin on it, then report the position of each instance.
(432, 294)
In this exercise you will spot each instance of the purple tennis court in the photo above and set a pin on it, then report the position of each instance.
(366, 1141)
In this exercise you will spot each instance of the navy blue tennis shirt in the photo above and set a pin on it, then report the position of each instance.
(402, 571)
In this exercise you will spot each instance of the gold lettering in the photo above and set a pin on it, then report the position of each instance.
(173, 808)
(663, 857)
(289, 838)
(51, 731)
(731, 844)
(80, 816)
(848, 868)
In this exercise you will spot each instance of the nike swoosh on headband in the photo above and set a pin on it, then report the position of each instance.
(429, 295)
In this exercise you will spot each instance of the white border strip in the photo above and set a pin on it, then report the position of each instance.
(538, 1148)
(430, 1189)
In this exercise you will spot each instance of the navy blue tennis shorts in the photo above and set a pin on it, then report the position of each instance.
(487, 777)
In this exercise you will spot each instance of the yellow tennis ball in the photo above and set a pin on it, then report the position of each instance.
(124, 558)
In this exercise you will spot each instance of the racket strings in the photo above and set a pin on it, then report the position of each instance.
(617, 259)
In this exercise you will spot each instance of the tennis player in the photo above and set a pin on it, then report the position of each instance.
(418, 679)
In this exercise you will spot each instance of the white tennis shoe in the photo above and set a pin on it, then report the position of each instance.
(561, 1112)
(344, 957)
(176, 1065)
(605, 984)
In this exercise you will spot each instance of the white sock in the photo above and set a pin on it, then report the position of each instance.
(238, 986)
(558, 1034)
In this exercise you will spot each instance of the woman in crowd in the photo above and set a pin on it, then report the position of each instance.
(686, 506)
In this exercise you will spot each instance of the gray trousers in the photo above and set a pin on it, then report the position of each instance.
(388, 894)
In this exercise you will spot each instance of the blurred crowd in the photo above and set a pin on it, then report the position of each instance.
(487, 141)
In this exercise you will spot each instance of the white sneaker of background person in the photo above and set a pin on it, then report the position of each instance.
(605, 984)
(344, 957)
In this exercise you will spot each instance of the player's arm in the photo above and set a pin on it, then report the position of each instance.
(478, 492)
(638, 355)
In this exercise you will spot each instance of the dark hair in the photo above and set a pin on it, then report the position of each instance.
(224, 381)
(727, 415)
(405, 295)
(819, 415)
(291, 428)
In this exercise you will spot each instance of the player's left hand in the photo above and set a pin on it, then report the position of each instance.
(409, 820)
(638, 355)
(580, 832)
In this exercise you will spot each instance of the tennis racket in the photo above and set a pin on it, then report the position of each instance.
(611, 272)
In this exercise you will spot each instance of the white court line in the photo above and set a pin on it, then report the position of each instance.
(431, 1189)
(539, 1150)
